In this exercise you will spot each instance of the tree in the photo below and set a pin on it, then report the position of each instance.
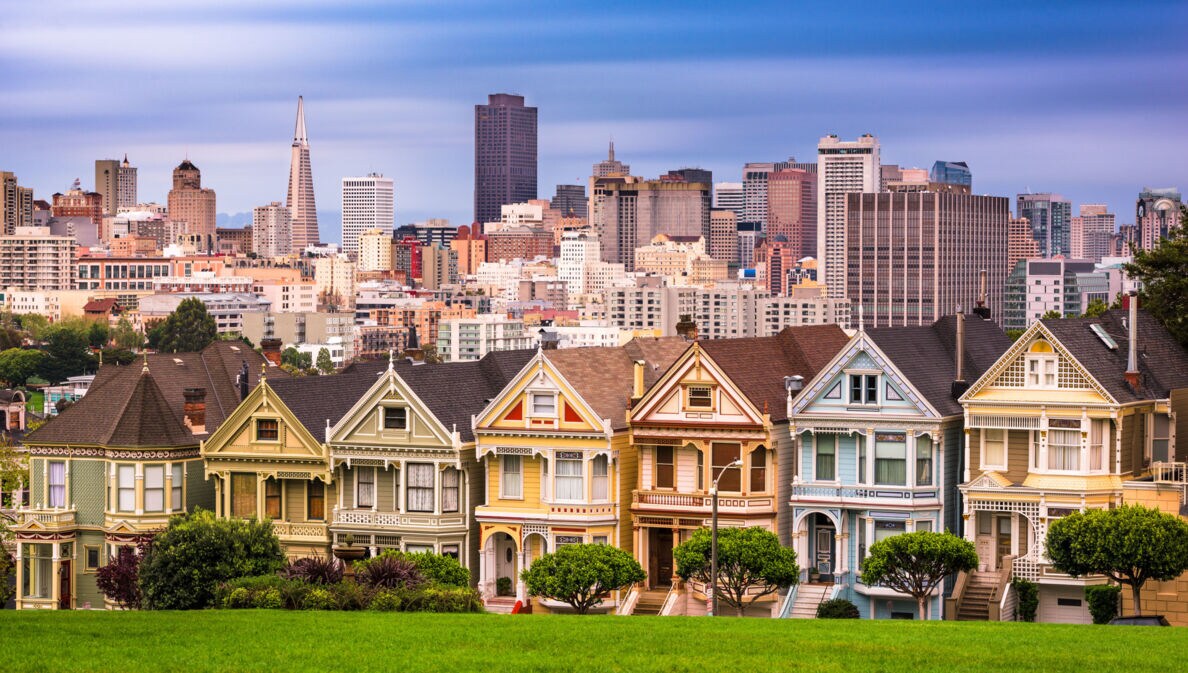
(582, 575)
(749, 559)
(18, 364)
(1052, 315)
(295, 358)
(325, 364)
(98, 334)
(184, 564)
(126, 337)
(1095, 308)
(1129, 544)
(14, 474)
(34, 324)
(69, 353)
(189, 329)
(7, 570)
(119, 580)
(917, 563)
(1163, 273)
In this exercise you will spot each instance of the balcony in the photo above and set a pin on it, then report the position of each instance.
(301, 532)
(49, 519)
(866, 495)
(367, 518)
(702, 503)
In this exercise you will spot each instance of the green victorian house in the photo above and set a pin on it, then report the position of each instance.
(118, 463)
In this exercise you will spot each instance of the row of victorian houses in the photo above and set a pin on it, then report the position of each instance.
(844, 438)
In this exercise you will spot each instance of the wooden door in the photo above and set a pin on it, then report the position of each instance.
(64, 577)
(1003, 533)
(660, 546)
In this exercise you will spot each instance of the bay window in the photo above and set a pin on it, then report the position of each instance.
(126, 488)
(826, 450)
(923, 460)
(511, 477)
(272, 499)
(598, 482)
(38, 571)
(994, 449)
(1098, 435)
(862, 478)
(571, 484)
(365, 487)
(419, 489)
(243, 495)
(721, 455)
(891, 459)
(315, 501)
(57, 483)
(1064, 449)
(759, 470)
(450, 489)
(176, 500)
(154, 488)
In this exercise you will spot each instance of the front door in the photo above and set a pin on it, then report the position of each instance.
(825, 553)
(64, 585)
(660, 564)
(505, 558)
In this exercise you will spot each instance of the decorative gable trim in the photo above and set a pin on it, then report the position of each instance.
(860, 346)
(390, 385)
(672, 382)
(1015, 358)
(536, 375)
(242, 417)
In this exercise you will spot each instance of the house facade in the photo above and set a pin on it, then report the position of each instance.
(1073, 411)
(879, 431)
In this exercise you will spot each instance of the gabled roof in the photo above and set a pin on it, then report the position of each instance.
(758, 365)
(1162, 362)
(926, 355)
(318, 401)
(100, 305)
(605, 376)
(126, 407)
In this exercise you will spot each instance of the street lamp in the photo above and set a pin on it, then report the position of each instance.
(714, 539)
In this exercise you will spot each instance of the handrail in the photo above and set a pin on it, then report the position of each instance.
(954, 599)
(670, 598)
(627, 606)
(1000, 587)
(1008, 605)
(789, 600)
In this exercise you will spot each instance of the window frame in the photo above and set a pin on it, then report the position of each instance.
(1042, 362)
(456, 488)
(122, 489)
(88, 567)
(55, 498)
(708, 398)
(600, 478)
(757, 471)
(867, 388)
(670, 466)
(983, 463)
(158, 490)
(879, 459)
(177, 485)
(571, 480)
(817, 455)
(726, 477)
(359, 482)
(244, 478)
(390, 413)
(930, 458)
(430, 490)
(505, 462)
(315, 491)
(274, 430)
(534, 397)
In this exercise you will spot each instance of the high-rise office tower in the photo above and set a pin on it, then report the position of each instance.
(1021, 244)
(504, 155)
(691, 175)
(1051, 217)
(16, 204)
(300, 199)
(842, 167)
(628, 213)
(889, 173)
(913, 257)
(951, 173)
(755, 193)
(374, 249)
(610, 167)
(792, 211)
(1091, 232)
(126, 185)
(368, 202)
(271, 230)
(107, 184)
(723, 240)
(191, 207)
(1157, 212)
(570, 201)
(729, 196)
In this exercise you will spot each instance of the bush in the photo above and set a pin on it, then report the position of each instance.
(440, 569)
(1027, 593)
(119, 580)
(385, 601)
(314, 570)
(441, 599)
(269, 599)
(319, 599)
(503, 586)
(389, 570)
(239, 598)
(184, 564)
(1103, 602)
(582, 575)
(837, 608)
(350, 596)
(7, 571)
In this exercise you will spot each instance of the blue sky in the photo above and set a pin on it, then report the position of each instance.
(1087, 99)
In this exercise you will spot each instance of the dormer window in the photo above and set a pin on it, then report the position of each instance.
(544, 404)
(267, 430)
(864, 388)
(395, 418)
(1042, 366)
(701, 397)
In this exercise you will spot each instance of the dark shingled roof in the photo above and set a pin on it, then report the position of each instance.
(316, 400)
(126, 407)
(605, 376)
(1162, 362)
(926, 355)
(758, 365)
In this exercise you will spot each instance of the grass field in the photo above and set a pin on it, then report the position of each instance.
(338, 641)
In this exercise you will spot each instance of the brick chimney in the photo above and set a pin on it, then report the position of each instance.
(687, 328)
(271, 348)
(195, 409)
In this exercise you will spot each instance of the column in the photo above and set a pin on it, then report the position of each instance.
(260, 495)
(436, 489)
(218, 484)
(139, 488)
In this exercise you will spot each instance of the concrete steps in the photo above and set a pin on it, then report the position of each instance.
(501, 604)
(974, 605)
(650, 602)
(808, 597)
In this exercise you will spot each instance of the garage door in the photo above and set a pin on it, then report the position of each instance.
(1063, 605)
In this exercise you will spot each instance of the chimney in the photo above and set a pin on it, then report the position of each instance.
(960, 385)
(982, 311)
(685, 327)
(1132, 370)
(271, 348)
(241, 380)
(412, 350)
(195, 409)
(637, 390)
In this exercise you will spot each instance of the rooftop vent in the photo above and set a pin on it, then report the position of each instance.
(178, 361)
(1104, 336)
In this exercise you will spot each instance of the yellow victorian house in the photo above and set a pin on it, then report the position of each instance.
(554, 443)
(1074, 410)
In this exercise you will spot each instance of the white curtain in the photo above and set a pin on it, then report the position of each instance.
(449, 490)
(599, 485)
(510, 485)
(570, 481)
(57, 484)
(127, 488)
(420, 487)
(178, 478)
(154, 488)
(1064, 449)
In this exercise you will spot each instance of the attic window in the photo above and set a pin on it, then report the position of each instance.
(267, 429)
(700, 397)
(395, 418)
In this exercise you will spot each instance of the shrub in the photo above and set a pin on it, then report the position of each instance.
(269, 599)
(385, 601)
(319, 599)
(350, 596)
(119, 580)
(184, 564)
(1103, 602)
(7, 570)
(837, 608)
(314, 570)
(388, 571)
(253, 585)
(441, 599)
(239, 598)
(582, 575)
(503, 586)
(1027, 593)
(440, 569)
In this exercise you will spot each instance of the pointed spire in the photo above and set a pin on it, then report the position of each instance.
(299, 132)
(391, 359)
(263, 370)
(610, 156)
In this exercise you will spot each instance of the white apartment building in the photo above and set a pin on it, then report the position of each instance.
(465, 339)
(581, 267)
(288, 297)
(590, 333)
(842, 167)
(202, 281)
(20, 302)
(680, 261)
(272, 232)
(368, 202)
(337, 348)
(33, 259)
(334, 280)
(808, 305)
(374, 249)
(227, 308)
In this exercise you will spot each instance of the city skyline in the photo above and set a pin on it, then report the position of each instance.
(1085, 111)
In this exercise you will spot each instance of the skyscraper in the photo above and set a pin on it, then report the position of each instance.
(16, 204)
(300, 199)
(915, 256)
(570, 200)
(271, 235)
(842, 167)
(951, 173)
(610, 167)
(1091, 232)
(368, 202)
(729, 196)
(126, 185)
(107, 184)
(1020, 243)
(1051, 218)
(792, 211)
(504, 155)
(628, 213)
(755, 193)
(723, 240)
(191, 207)
(1156, 213)
(77, 202)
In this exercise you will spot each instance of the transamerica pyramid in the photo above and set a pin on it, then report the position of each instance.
(300, 200)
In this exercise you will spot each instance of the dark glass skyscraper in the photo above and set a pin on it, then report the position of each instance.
(504, 155)
(951, 173)
(1051, 221)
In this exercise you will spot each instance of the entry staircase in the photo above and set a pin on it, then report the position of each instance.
(650, 602)
(980, 594)
(501, 604)
(807, 598)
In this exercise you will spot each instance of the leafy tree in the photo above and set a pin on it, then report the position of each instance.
(1014, 334)
(7, 571)
(1052, 315)
(119, 580)
(126, 337)
(325, 364)
(118, 356)
(295, 358)
(440, 569)
(1164, 276)
(1129, 544)
(34, 324)
(14, 474)
(749, 559)
(189, 329)
(1095, 308)
(10, 336)
(582, 575)
(184, 564)
(18, 364)
(69, 353)
(98, 334)
(917, 563)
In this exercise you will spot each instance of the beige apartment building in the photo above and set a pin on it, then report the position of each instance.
(33, 259)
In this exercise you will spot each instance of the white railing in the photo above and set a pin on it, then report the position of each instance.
(865, 492)
(627, 605)
(670, 600)
(789, 600)
(51, 518)
(726, 502)
(301, 530)
(1026, 566)
(366, 517)
(1008, 605)
(1172, 473)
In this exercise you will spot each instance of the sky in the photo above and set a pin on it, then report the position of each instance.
(1086, 99)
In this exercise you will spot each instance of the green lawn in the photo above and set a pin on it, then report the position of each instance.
(34, 401)
(337, 641)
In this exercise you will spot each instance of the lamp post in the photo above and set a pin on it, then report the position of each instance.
(714, 539)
